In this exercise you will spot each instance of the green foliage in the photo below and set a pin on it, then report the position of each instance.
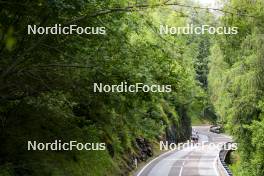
(46, 84)
(236, 83)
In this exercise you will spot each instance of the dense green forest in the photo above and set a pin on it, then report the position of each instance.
(236, 83)
(46, 82)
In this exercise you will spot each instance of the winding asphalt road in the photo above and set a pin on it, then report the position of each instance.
(189, 161)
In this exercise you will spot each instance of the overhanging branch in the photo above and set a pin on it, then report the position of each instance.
(146, 6)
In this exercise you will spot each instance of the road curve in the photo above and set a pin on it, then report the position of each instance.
(189, 161)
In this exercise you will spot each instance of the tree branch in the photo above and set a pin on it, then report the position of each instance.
(63, 65)
(145, 6)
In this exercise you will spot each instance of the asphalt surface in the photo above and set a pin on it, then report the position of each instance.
(190, 160)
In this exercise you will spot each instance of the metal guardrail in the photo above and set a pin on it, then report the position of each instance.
(222, 167)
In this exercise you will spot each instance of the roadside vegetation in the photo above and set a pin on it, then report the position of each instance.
(46, 83)
(236, 83)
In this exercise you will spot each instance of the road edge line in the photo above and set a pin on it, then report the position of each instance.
(153, 161)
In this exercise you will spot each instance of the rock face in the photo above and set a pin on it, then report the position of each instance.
(143, 152)
(181, 131)
(144, 149)
(175, 132)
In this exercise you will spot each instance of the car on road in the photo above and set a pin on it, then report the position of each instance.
(215, 129)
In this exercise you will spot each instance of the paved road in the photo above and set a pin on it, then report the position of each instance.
(189, 161)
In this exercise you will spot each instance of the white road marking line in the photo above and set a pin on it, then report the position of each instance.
(187, 158)
(183, 163)
(153, 161)
(180, 171)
